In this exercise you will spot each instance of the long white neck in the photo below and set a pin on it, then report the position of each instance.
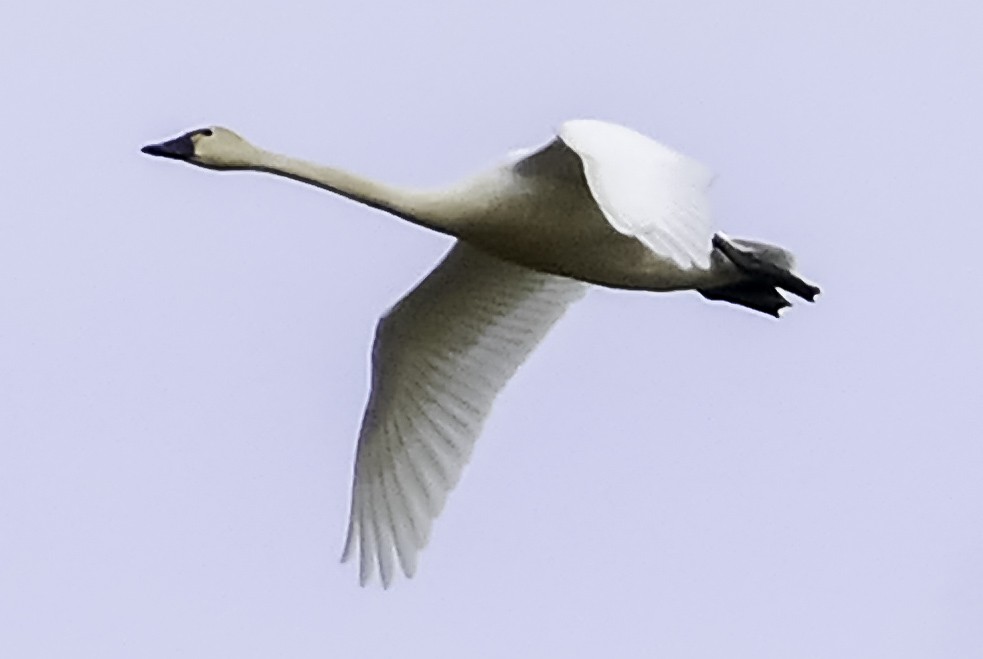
(426, 208)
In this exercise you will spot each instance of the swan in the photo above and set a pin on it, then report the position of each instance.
(598, 204)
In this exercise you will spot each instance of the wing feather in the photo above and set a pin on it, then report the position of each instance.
(646, 190)
(440, 358)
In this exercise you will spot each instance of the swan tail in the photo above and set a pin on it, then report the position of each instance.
(767, 268)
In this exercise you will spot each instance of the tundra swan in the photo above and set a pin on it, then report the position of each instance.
(598, 204)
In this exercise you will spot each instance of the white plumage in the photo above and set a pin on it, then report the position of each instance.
(646, 190)
(441, 356)
(598, 204)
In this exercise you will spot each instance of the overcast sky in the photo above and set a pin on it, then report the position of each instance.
(184, 354)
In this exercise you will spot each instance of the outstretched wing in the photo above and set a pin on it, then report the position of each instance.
(646, 189)
(441, 356)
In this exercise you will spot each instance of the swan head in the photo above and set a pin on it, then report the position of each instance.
(213, 148)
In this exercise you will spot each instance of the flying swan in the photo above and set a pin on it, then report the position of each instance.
(599, 204)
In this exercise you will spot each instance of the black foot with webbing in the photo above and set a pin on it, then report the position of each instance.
(764, 277)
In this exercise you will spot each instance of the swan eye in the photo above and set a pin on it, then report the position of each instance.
(207, 132)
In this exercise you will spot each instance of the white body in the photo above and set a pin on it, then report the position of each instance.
(598, 204)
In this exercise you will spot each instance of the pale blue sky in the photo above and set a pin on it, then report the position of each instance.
(183, 354)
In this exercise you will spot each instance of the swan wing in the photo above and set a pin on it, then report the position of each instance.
(646, 189)
(554, 160)
(441, 356)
